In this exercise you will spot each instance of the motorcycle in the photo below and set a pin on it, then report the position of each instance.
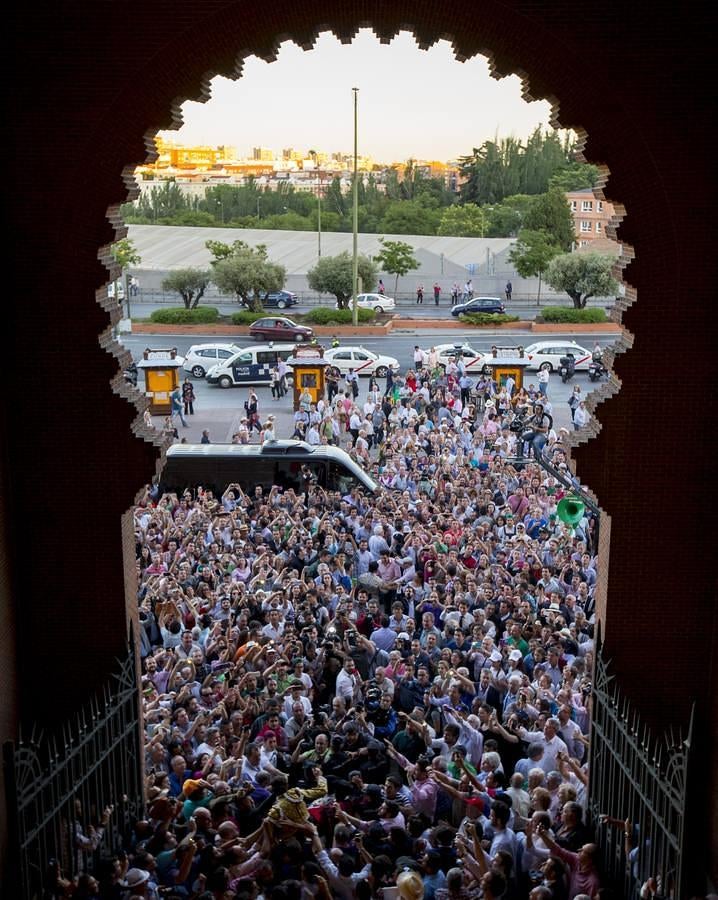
(567, 367)
(596, 370)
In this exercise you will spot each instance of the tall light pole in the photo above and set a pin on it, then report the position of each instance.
(355, 241)
(319, 216)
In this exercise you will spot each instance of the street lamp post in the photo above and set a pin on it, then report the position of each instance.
(258, 215)
(319, 217)
(220, 203)
(355, 241)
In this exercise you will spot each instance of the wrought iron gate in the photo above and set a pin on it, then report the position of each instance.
(636, 776)
(59, 785)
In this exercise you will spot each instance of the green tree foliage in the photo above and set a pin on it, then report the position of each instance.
(468, 220)
(333, 275)
(245, 271)
(190, 284)
(397, 258)
(124, 254)
(500, 168)
(576, 176)
(409, 217)
(532, 253)
(582, 276)
(502, 220)
(551, 214)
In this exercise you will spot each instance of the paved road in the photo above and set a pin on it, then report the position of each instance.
(525, 310)
(400, 343)
(219, 411)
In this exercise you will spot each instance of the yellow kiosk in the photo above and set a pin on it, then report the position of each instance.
(504, 361)
(161, 372)
(309, 367)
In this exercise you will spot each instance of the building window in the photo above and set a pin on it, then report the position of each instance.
(599, 205)
(586, 205)
(573, 205)
(599, 227)
(585, 226)
(584, 243)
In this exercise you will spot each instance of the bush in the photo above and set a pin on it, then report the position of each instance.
(323, 315)
(246, 317)
(178, 315)
(568, 314)
(487, 319)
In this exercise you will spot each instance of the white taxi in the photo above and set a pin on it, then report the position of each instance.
(473, 359)
(547, 355)
(363, 361)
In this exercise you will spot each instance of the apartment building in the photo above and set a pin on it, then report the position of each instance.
(590, 217)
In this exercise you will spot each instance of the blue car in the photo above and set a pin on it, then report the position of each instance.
(280, 299)
(478, 305)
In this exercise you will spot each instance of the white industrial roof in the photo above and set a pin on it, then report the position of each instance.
(165, 247)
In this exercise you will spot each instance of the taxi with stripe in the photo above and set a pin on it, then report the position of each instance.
(547, 355)
(363, 361)
(471, 358)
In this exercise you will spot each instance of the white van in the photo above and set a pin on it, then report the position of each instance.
(250, 365)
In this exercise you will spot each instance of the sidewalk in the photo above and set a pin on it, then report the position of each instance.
(223, 422)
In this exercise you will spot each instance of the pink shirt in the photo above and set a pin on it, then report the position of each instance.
(579, 882)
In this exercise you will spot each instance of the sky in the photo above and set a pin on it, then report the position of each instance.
(412, 103)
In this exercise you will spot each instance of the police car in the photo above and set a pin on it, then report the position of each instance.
(250, 365)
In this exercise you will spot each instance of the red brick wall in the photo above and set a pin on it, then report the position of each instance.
(92, 78)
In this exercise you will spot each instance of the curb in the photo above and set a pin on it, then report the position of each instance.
(395, 323)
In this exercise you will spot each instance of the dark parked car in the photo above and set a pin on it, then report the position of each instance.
(279, 328)
(280, 299)
(478, 305)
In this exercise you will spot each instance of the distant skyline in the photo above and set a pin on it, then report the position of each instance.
(412, 103)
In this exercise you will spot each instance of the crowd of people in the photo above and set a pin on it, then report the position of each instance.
(371, 695)
(479, 418)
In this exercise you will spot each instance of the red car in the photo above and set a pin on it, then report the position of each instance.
(279, 328)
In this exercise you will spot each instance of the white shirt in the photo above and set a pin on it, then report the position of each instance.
(342, 886)
(346, 685)
(551, 749)
(289, 703)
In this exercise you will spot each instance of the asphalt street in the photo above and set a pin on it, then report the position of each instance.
(145, 306)
(219, 411)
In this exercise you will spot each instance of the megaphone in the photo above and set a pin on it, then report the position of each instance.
(570, 510)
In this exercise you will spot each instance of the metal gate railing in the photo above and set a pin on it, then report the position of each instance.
(94, 762)
(636, 776)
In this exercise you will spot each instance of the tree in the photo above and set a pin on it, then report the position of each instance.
(577, 176)
(333, 275)
(582, 275)
(124, 254)
(551, 214)
(190, 284)
(531, 253)
(502, 221)
(409, 217)
(245, 271)
(397, 258)
(468, 220)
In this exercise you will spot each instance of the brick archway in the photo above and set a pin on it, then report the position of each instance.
(93, 79)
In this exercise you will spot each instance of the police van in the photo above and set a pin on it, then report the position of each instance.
(250, 365)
